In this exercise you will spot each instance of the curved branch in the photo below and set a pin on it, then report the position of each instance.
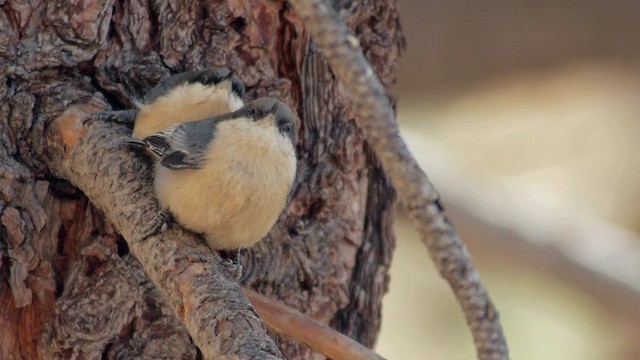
(221, 321)
(288, 322)
(419, 196)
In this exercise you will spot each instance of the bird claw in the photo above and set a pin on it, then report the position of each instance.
(158, 224)
(233, 267)
(125, 117)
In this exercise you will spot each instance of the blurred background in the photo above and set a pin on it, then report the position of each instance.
(526, 116)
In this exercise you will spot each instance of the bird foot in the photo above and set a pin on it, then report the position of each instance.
(234, 266)
(158, 224)
(125, 117)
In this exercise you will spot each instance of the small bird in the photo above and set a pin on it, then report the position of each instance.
(184, 97)
(228, 177)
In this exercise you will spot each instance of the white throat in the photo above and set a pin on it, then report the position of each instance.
(235, 102)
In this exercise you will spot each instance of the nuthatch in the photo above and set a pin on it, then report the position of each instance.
(228, 177)
(184, 97)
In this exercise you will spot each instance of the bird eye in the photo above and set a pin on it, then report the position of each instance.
(285, 127)
(252, 113)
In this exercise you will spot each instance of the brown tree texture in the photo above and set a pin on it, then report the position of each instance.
(71, 286)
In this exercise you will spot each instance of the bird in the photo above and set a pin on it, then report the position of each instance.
(184, 97)
(227, 177)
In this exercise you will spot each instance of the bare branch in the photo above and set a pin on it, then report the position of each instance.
(291, 323)
(416, 192)
(221, 321)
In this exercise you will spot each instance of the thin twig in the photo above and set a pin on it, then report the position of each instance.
(295, 325)
(376, 117)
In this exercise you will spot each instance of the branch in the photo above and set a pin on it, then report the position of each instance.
(288, 322)
(221, 321)
(416, 192)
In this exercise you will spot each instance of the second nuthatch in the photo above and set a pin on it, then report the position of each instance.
(184, 97)
(228, 177)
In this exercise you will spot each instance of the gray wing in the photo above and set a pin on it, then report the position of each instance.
(183, 146)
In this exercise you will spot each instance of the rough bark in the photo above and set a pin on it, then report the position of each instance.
(69, 286)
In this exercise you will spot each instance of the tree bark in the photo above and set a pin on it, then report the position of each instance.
(70, 285)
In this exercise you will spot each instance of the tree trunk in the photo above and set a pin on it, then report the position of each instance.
(69, 286)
